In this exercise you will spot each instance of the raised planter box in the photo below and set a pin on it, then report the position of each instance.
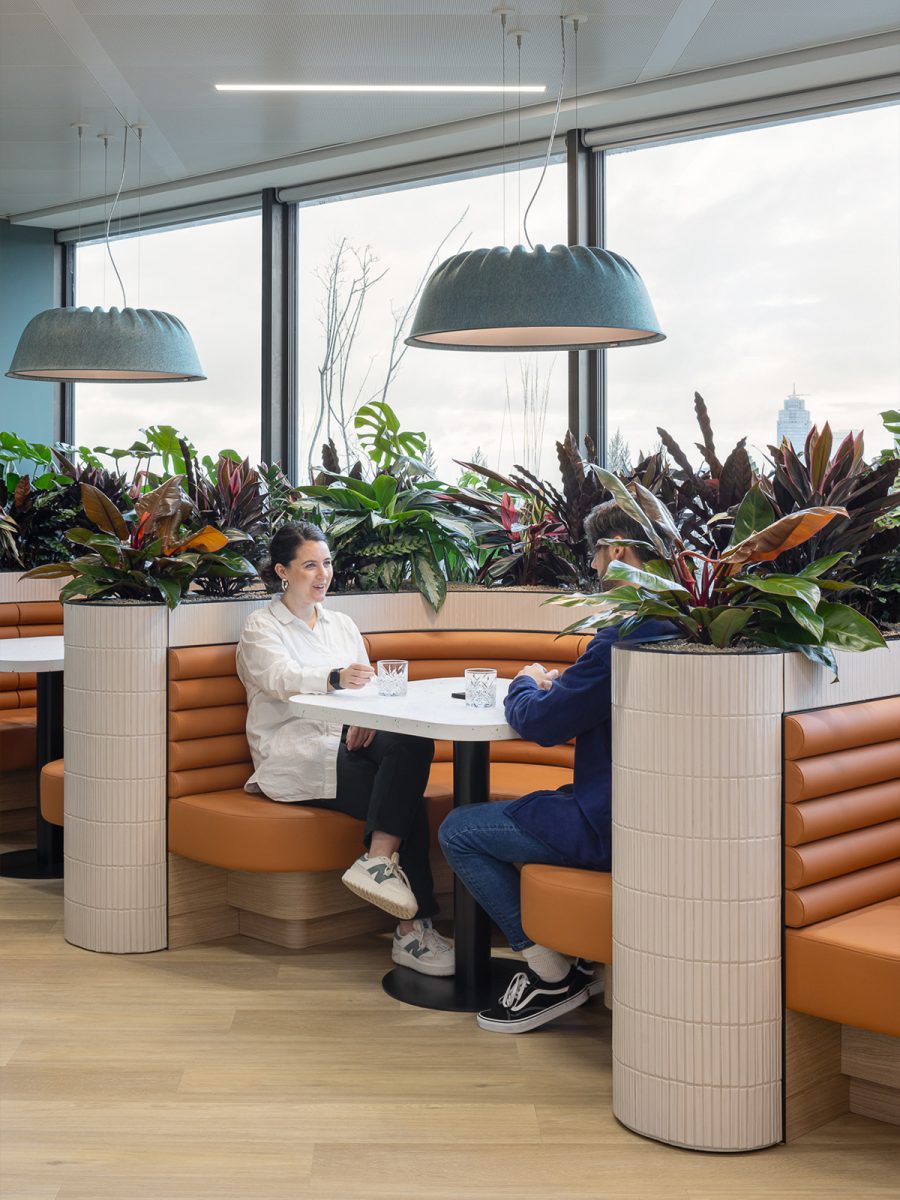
(697, 883)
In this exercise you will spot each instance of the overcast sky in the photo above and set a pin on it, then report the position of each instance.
(772, 258)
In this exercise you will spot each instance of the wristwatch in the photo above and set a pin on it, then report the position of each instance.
(334, 678)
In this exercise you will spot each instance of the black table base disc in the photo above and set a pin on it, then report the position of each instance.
(448, 994)
(23, 864)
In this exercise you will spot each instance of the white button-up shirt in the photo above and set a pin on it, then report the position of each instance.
(278, 656)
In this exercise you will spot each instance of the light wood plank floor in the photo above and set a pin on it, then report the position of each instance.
(237, 1070)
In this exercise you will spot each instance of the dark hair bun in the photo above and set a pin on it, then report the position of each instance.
(283, 549)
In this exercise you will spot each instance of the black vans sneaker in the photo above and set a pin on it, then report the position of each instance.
(587, 970)
(530, 1002)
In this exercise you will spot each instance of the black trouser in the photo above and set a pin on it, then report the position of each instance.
(383, 784)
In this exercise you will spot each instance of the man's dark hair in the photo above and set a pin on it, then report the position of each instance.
(607, 520)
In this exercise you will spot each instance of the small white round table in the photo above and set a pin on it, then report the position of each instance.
(430, 710)
(43, 656)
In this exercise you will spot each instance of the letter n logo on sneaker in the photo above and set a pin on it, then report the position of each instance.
(415, 948)
(380, 872)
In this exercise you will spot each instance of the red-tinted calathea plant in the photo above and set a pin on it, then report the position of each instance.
(696, 497)
(861, 539)
(714, 599)
(230, 497)
(142, 555)
(530, 532)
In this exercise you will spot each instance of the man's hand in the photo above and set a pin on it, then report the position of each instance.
(357, 675)
(541, 676)
(358, 739)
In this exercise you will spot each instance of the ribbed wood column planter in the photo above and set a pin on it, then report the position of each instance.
(697, 1007)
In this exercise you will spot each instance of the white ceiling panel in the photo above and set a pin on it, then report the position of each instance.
(156, 61)
(735, 30)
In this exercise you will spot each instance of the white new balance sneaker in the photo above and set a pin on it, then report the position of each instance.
(424, 950)
(381, 881)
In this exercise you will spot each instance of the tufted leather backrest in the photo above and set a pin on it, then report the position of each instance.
(208, 748)
(43, 618)
(842, 809)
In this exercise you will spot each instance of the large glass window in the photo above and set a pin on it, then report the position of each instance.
(362, 261)
(773, 260)
(209, 276)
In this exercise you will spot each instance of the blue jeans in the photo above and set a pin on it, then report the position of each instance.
(482, 844)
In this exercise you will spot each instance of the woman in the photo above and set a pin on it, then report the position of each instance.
(295, 645)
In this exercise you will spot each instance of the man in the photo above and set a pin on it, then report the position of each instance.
(570, 827)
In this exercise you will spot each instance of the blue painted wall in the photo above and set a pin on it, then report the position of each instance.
(26, 288)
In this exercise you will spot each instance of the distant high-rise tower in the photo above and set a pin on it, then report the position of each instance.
(793, 420)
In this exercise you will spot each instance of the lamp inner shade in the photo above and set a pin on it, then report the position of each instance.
(533, 337)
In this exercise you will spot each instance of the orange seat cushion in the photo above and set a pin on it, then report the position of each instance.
(241, 832)
(847, 969)
(52, 792)
(509, 781)
(18, 738)
(568, 910)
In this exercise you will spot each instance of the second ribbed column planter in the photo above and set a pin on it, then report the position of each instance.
(697, 1010)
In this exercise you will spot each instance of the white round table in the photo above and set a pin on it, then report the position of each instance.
(45, 657)
(430, 710)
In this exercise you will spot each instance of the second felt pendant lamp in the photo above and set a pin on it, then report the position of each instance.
(523, 299)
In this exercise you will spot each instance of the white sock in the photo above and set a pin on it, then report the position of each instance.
(549, 965)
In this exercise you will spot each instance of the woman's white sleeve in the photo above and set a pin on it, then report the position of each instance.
(263, 658)
(361, 651)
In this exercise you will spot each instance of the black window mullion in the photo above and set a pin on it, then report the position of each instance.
(279, 334)
(64, 393)
(587, 368)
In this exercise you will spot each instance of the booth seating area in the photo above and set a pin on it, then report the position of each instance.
(18, 716)
(842, 909)
(239, 863)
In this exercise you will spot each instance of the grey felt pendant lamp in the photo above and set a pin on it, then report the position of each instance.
(128, 345)
(98, 345)
(564, 298)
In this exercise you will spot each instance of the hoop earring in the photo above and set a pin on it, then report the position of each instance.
(284, 585)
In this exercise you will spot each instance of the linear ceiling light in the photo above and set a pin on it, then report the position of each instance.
(377, 87)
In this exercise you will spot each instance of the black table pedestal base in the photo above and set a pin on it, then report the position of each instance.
(26, 864)
(450, 994)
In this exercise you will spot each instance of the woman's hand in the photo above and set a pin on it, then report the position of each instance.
(358, 739)
(357, 675)
(541, 676)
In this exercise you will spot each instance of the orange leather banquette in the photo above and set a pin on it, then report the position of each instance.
(17, 691)
(842, 864)
(213, 820)
(568, 910)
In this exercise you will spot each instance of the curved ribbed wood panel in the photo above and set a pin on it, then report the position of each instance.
(16, 590)
(697, 897)
(115, 756)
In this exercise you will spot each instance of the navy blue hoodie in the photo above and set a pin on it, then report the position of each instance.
(576, 820)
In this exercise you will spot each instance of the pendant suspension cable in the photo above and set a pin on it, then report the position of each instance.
(575, 24)
(79, 127)
(104, 138)
(139, 130)
(519, 137)
(503, 116)
(562, 80)
(110, 217)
